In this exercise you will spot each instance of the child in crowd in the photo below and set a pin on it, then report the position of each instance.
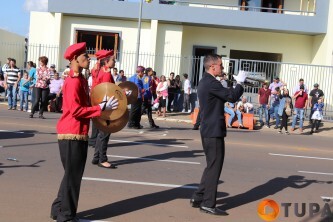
(24, 91)
(317, 115)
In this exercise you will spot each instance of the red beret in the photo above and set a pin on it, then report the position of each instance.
(75, 50)
(102, 54)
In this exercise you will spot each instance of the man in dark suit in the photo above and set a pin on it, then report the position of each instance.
(212, 96)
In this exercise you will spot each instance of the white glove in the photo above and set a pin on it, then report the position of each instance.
(110, 104)
(128, 92)
(240, 78)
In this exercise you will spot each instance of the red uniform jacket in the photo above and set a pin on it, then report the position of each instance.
(75, 119)
(100, 76)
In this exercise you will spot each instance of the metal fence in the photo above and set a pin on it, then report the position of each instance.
(165, 64)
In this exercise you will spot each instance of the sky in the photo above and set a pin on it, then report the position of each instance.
(15, 14)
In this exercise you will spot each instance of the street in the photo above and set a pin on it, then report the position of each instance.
(158, 170)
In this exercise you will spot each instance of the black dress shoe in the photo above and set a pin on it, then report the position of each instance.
(154, 127)
(213, 211)
(31, 115)
(53, 217)
(195, 128)
(195, 203)
(138, 127)
(95, 162)
(41, 116)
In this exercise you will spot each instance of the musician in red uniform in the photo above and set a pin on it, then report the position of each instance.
(72, 129)
(103, 74)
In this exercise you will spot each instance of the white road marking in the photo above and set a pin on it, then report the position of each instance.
(140, 183)
(306, 157)
(326, 198)
(143, 158)
(320, 173)
(154, 144)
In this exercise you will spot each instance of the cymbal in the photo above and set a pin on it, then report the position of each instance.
(109, 89)
(111, 126)
(131, 99)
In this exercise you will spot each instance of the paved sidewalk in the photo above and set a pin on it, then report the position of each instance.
(326, 128)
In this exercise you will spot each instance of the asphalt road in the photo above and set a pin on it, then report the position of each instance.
(158, 171)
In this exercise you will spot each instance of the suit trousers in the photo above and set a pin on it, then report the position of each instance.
(101, 147)
(214, 151)
(73, 154)
(135, 114)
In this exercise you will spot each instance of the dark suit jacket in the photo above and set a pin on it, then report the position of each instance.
(212, 96)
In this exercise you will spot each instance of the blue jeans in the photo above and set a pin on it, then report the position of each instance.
(263, 111)
(24, 98)
(232, 115)
(176, 101)
(11, 90)
(299, 113)
(275, 111)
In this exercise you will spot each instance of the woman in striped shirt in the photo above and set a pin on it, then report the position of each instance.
(42, 90)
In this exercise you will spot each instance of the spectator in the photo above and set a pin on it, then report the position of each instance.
(155, 82)
(32, 78)
(301, 82)
(276, 83)
(317, 115)
(171, 90)
(264, 96)
(223, 80)
(115, 74)
(178, 84)
(41, 87)
(24, 91)
(2, 83)
(65, 73)
(285, 110)
(52, 71)
(315, 94)
(56, 93)
(135, 113)
(12, 78)
(6, 66)
(244, 106)
(187, 92)
(275, 103)
(301, 101)
(162, 95)
(121, 76)
(231, 109)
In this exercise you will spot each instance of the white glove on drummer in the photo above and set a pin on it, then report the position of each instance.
(240, 78)
(110, 104)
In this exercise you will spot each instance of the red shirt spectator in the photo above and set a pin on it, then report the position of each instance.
(301, 99)
(264, 95)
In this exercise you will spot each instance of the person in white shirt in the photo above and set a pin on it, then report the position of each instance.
(297, 88)
(187, 92)
(245, 106)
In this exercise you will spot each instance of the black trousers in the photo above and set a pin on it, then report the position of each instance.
(311, 113)
(315, 124)
(94, 133)
(40, 94)
(214, 152)
(73, 154)
(284, 121)
(146, 105)
(58, 101)
(171, 97)
(101, 147)
(135, 114)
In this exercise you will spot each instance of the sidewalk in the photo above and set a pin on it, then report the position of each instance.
(326, 128)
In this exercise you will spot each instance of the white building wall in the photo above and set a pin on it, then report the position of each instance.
(294, 48)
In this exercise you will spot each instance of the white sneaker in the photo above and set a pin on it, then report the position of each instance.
(189, 111)
(183, 111)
